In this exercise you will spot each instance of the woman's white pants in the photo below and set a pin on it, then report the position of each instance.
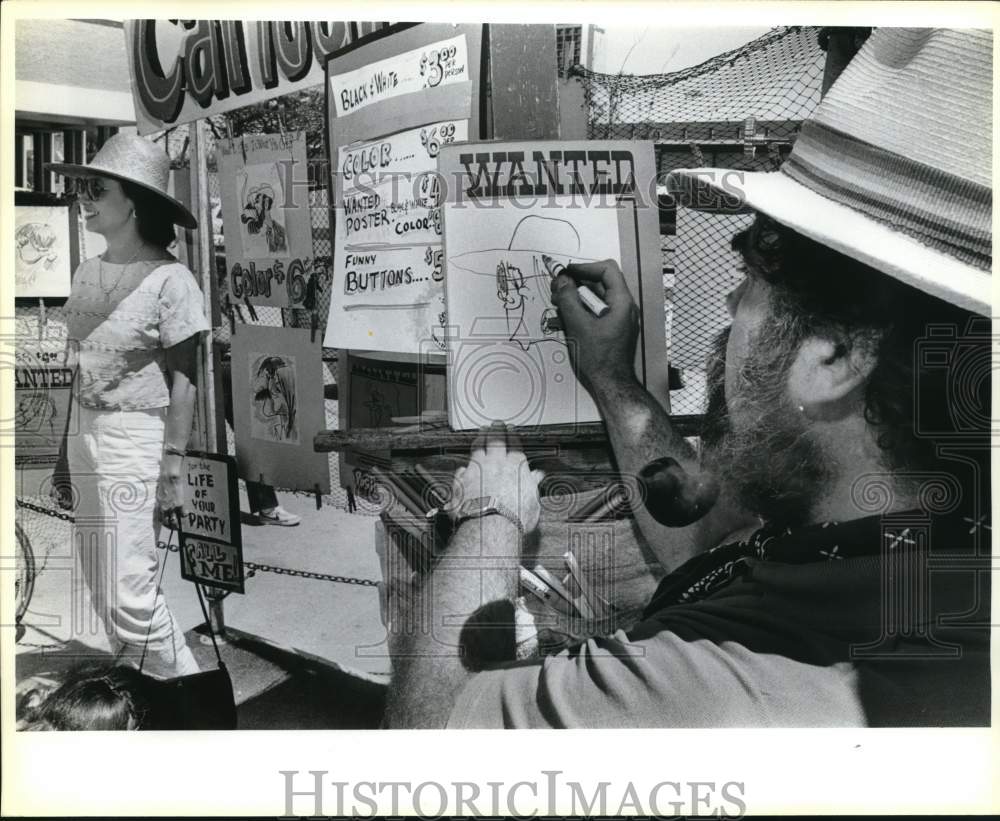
(114, 461)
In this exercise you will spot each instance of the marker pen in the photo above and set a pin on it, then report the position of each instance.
(597, 306)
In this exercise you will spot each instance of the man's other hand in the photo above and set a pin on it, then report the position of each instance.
(498, 467)
(602, 348)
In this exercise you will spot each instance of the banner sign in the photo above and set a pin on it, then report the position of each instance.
(387, 292)
(266, 219)
(183, 70)
(211, 539)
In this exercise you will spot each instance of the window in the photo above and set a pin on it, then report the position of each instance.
(568, 43)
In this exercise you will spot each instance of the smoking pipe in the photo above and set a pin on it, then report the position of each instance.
(674, 497)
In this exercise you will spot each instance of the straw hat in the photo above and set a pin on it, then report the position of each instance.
(136, 160)
(894, 168)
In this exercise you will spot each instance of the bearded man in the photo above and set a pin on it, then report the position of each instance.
(841, 577)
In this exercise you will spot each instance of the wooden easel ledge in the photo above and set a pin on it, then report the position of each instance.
(434, 438)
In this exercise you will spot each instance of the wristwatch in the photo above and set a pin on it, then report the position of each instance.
(476, 508)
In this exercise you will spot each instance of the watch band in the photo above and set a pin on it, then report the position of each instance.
(498, 510)
(511, 517)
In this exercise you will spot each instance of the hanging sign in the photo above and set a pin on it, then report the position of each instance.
(183, 70)
(43, 392)
(211, 540)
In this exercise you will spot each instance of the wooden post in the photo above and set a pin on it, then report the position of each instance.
(523, 95)
(205, 263)
(841, 43)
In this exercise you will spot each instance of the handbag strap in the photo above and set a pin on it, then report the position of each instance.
(156, 595)
(201, 602)
(208, 624)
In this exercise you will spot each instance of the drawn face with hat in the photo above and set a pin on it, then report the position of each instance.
(523, 290)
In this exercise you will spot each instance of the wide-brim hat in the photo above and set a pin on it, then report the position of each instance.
(136, 160)
(894, 168)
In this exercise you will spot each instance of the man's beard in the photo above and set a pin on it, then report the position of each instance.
(772, 464)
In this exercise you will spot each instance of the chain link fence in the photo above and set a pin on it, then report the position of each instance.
(740, 110)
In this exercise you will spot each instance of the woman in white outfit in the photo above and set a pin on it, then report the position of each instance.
(134, 316)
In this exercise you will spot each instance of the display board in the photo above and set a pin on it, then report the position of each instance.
(266, 219)
(507, 206)
(278, 407)
(392, 104)
(211, 539)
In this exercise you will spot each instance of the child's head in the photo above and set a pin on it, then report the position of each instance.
(94, 698)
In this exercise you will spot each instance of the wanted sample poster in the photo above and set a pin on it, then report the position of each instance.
(507, 206)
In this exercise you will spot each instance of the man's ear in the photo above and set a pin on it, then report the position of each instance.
(828, 373)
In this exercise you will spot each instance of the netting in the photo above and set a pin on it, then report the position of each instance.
(741, 110)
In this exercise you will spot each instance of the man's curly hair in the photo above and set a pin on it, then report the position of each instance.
(817, 291)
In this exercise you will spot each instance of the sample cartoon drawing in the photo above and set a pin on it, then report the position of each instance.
(36, 412)
(274, 398)
(258, 219)
(42, 259)
(523, 284)
(262, 219)
(35, 243)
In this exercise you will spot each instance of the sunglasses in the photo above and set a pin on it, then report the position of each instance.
(90, 187)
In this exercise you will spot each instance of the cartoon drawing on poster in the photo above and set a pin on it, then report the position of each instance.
(265, 200)
(513, 210)
(274, 398)
(37, 413)
(523, 289)
(42, 263)
(262, 217)
(279, 407)
(36, 245)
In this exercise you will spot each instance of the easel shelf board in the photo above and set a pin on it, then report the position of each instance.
(589, 434)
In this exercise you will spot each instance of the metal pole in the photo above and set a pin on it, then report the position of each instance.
(206, 369)
(206, 266)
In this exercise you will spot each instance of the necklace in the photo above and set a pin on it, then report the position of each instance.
(108, 291)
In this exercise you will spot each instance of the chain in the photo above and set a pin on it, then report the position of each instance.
(252, 568)
(46, 511)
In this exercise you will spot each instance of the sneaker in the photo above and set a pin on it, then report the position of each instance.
(278, 516)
